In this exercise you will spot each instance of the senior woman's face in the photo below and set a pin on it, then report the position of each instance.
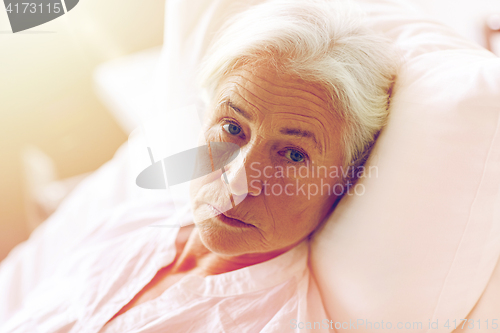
(284, 130)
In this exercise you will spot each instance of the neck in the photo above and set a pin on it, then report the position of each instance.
(194, 256)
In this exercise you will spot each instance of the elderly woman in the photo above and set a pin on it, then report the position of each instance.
(297, 86)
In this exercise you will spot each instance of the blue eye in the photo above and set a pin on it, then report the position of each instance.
(232, 128)
(294, 155)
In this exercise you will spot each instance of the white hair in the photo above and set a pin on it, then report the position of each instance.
(324, 42)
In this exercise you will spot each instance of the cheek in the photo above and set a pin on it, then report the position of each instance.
(299, 204)
(206, 185)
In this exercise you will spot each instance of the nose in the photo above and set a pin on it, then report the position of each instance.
(235, 176)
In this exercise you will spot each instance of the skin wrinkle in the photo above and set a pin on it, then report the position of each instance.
(285, 86)
(308, 84)
(281, 104)
(301, 134)
(245, 114)
(256, 109)
(325, 96)
(305, 116)
(270, 212)
(321, 144)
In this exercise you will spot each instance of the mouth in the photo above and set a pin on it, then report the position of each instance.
(228, 220)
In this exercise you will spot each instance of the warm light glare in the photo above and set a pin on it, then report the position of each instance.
(48, 99)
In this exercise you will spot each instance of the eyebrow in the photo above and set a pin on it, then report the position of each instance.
(302, 134)
(236, 109)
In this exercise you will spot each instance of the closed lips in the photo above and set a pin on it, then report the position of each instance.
(225, 217)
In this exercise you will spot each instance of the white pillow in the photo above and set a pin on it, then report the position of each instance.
(422, 241)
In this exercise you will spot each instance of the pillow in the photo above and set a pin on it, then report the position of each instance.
(420, 242)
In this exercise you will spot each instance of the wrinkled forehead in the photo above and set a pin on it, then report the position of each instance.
(266, 90)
